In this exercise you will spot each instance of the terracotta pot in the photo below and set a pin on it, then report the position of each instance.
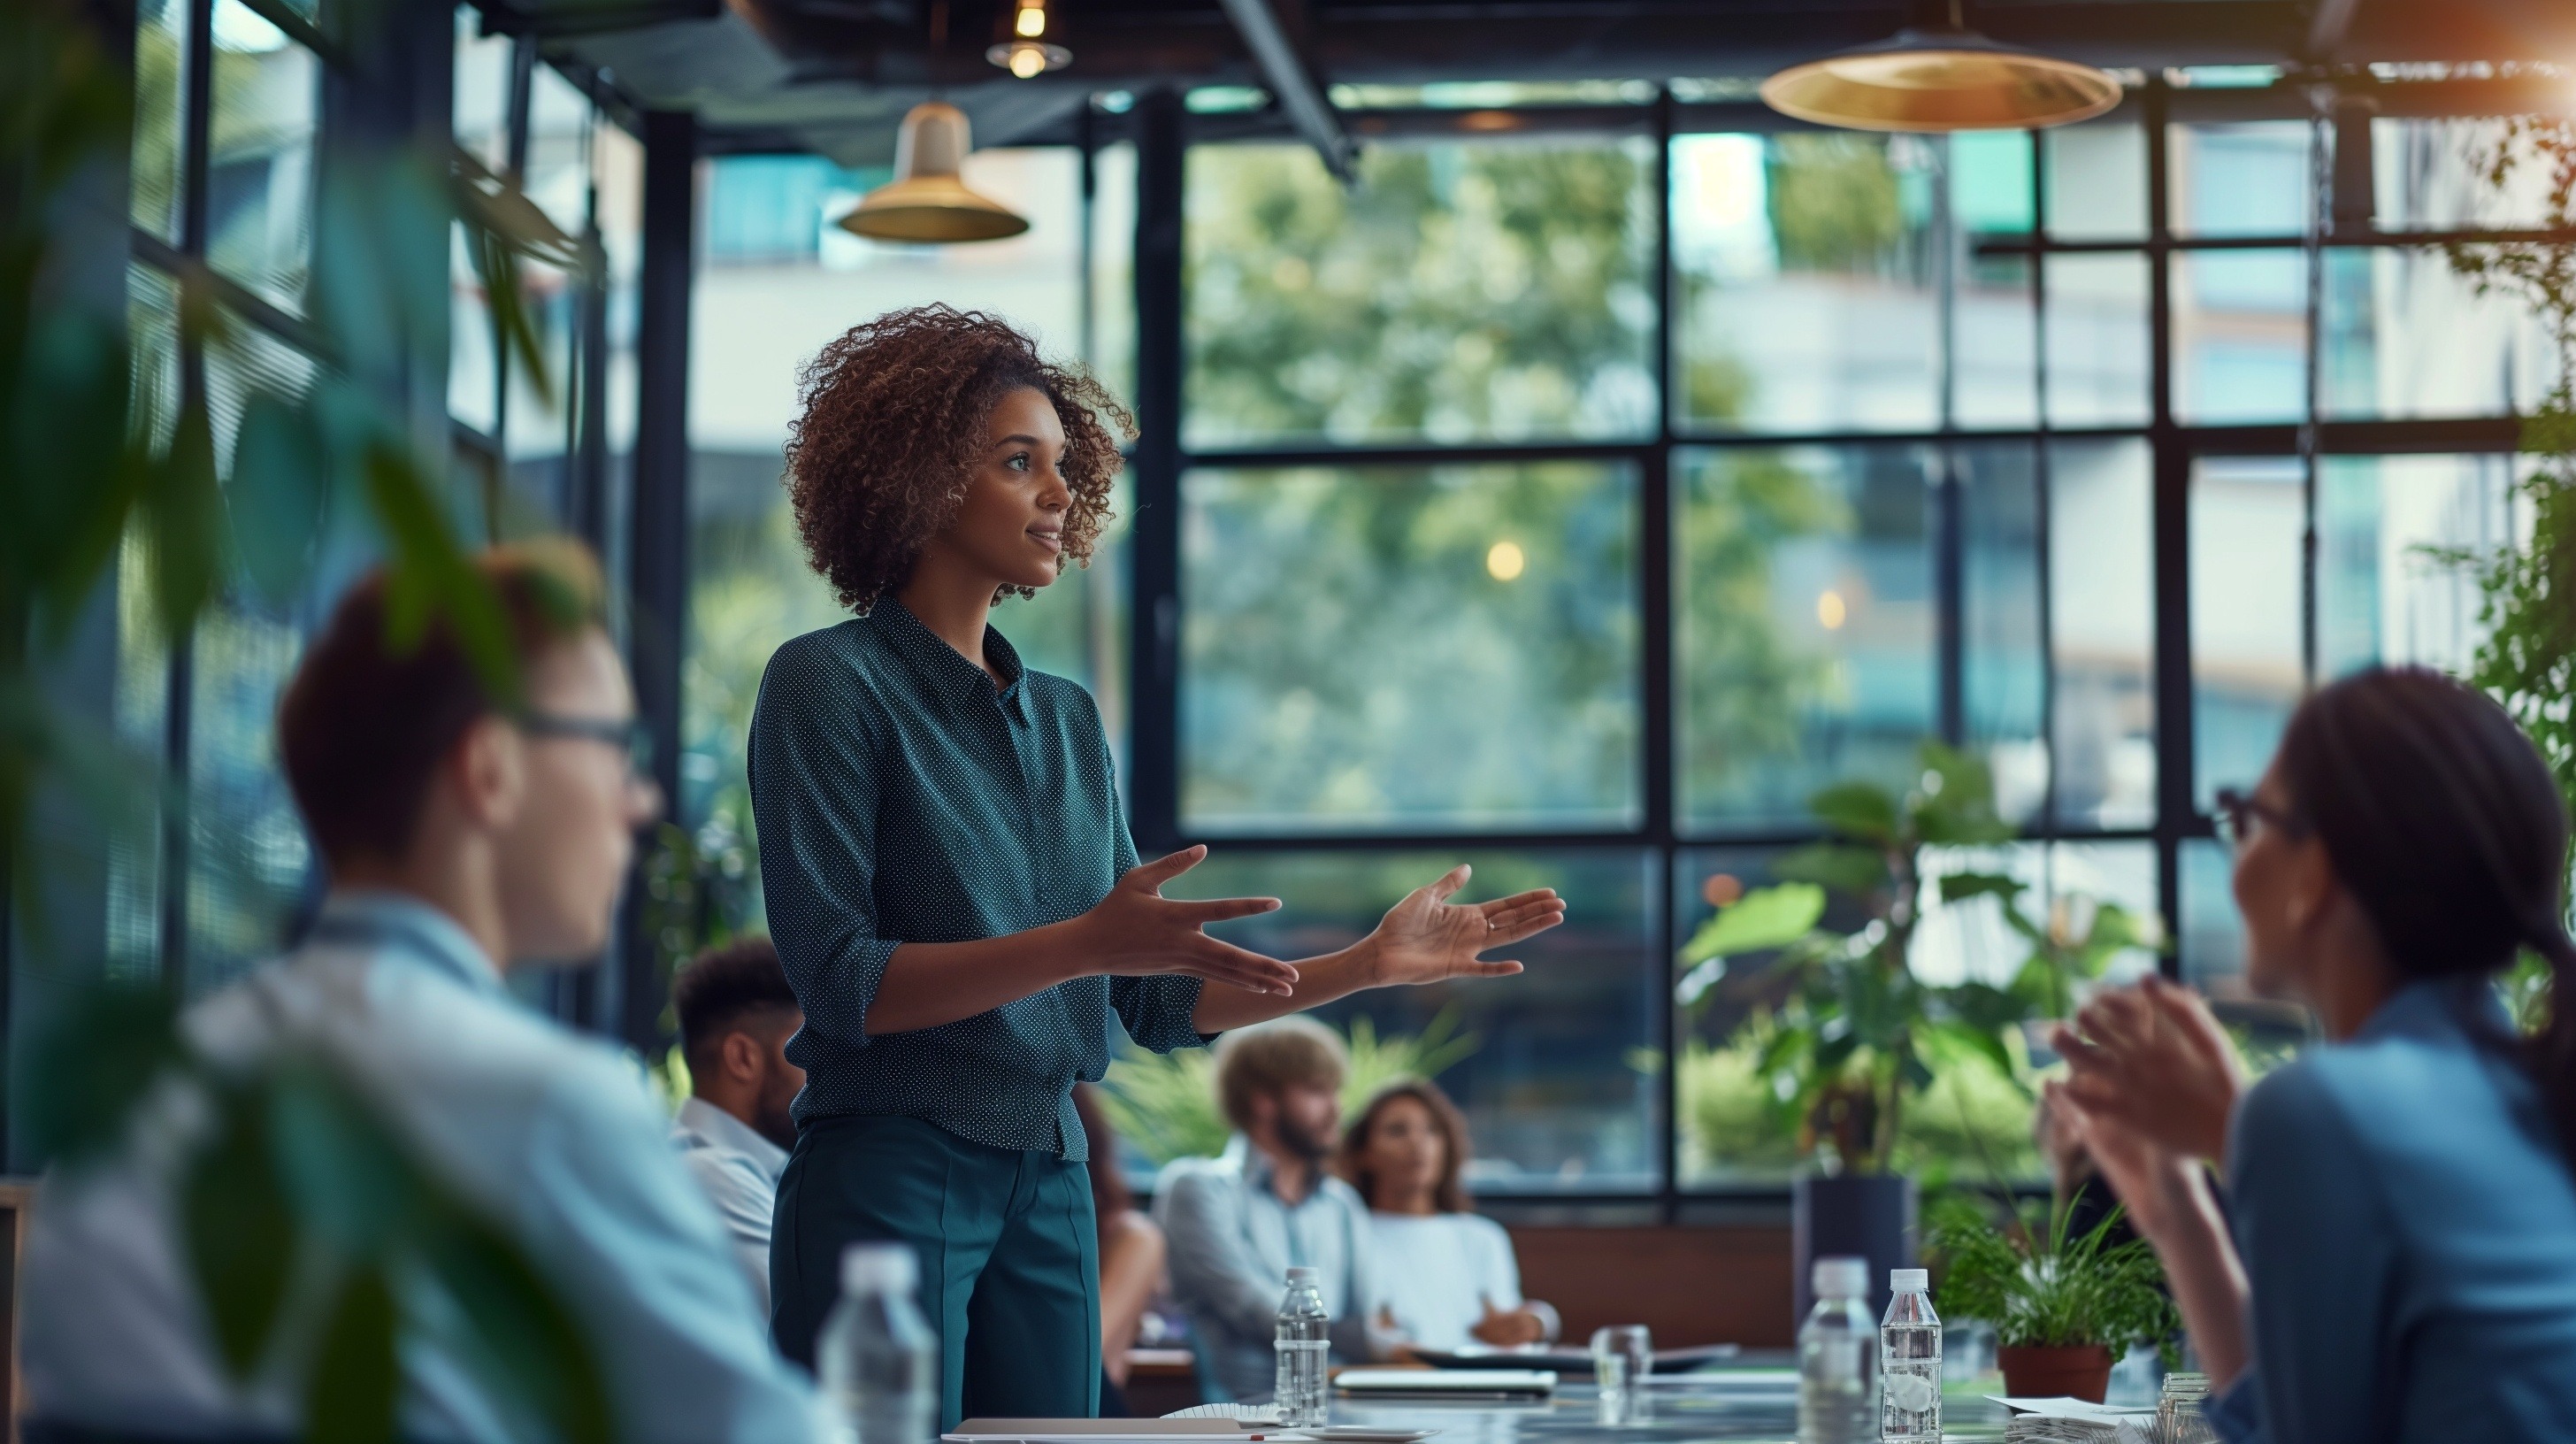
(2074, 1371)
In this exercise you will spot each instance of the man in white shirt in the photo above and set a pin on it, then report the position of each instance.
(1237, 1222)
(736, 1014)
(465, 838)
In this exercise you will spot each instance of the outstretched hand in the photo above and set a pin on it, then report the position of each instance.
(1138, 932)
(1428, 939)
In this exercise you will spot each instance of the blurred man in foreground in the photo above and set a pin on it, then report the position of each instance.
(1238, 1221)
(462, 841)
(736, 1014)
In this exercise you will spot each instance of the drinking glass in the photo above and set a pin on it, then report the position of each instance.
(1623, 1355)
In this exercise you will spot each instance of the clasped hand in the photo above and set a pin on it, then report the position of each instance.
(1136, 931)
(2153, 1083)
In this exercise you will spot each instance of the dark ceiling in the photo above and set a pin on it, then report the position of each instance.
(835, 76)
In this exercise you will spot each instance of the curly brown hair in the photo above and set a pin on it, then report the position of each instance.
(892, 429)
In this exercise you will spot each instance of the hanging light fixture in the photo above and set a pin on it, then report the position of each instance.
(1027, 45)
(1938, 77)
(926, 202)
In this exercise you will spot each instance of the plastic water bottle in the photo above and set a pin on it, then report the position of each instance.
(1305, 1339)
(1838, 1357)
(1909, 1351)
(877, 1361)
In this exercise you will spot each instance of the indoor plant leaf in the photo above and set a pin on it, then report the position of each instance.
(1765, 918)
(239, 1232)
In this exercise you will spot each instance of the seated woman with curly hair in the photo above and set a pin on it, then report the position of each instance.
(948, 872)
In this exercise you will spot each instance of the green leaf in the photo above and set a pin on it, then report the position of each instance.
(1961, 886)
(241, 1240)
(1765, 918)
(1955, 801)
(348, 1178)
(355, 1388)
(1856, 871)
(280, 484)
(183, 515)
(531, 1346)
(1861, 810)
(430, 576)
(92, 1065)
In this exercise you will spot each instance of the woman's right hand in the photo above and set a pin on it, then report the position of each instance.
(1137, 932)
(2154, 1060)
(2157, 1187)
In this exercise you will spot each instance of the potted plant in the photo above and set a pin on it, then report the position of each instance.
(1847, 1033)
(2065, 1305)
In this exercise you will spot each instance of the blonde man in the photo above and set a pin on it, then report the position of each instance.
(1239, 1221)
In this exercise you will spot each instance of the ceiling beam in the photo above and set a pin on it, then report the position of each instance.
(1292, 83)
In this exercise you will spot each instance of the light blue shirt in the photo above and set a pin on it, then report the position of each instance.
(1232, 1240)
(554, 1135)
(739, 1170)
(2407, 1220)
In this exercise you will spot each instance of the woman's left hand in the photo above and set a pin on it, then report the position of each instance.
(1428, 939)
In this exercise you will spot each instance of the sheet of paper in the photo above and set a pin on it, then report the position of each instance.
(2063, 1407)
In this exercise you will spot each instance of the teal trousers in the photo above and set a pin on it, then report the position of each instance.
(1010, 1258)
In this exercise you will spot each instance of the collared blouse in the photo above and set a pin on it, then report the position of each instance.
(902, 798)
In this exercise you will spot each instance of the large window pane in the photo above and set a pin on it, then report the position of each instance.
(2429, 174)
(1410, 648)
(2383, 596)
(1462, 290)
(1808, 275)
(2098, 340)
(1109, 339)
(142, 692)
(248, 859)
(2097, 181)
(1992, 326)
(259, 180)
(1803, 591)
(1974, 1121)
(2240, 335)
(2101, 585)
(160, 115)
(761, 308)
(1551, 1077)
(2246, 521)
(2246, 178)
(2405, 337)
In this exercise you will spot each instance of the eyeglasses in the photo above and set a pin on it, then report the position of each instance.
(628, 735)
(2237, 813)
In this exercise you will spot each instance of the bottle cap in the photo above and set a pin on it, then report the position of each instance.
(879, 1268)
(1841, 1278)
(1909, 1281)
(1302, 1275)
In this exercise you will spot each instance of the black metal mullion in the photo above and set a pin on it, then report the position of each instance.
(658, 540)
(1154, 615)
(2171, 531)
(2043, 536)
(1658, 761)
(2348, 240)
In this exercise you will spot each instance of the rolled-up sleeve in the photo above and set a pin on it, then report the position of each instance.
(813, 769)
(1214, 1271)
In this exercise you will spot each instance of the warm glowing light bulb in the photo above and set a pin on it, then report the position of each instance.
(1505, 560)
(1031, 21)
(1027, 61)
(1829, 609)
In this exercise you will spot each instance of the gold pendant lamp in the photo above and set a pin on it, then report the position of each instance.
(1941, 77)
(927, 203)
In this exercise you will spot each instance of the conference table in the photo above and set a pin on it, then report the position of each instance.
(1749, 1402)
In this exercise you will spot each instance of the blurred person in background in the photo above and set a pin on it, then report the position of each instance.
(1239, 1221)
(463, 840)
(1446, 1277)
(948, 872)
(736, 1015)
(1131, 1254)
(2401, 1264)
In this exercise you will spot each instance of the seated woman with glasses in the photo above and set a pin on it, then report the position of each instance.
(2402, 1265)
(1446, 1278)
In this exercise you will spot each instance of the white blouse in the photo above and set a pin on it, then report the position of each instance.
(1437, 1273)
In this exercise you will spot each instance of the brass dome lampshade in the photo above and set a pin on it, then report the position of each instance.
(1941, 77)
(927, 202)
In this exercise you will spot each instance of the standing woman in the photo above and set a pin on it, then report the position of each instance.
(948, 872)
